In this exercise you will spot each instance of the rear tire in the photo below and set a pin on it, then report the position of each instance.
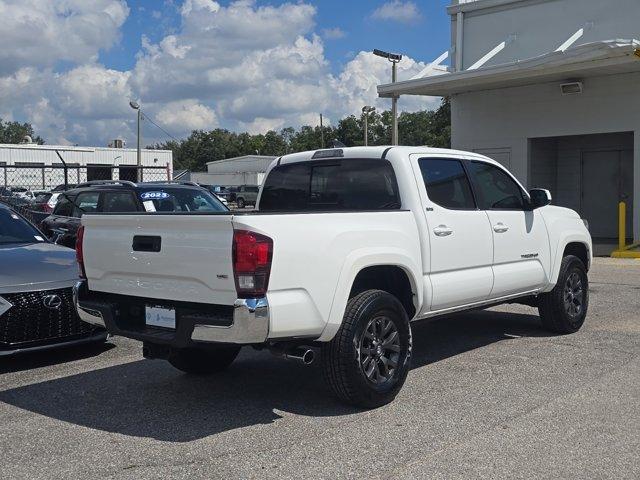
(368, 360)
(203, 361)
(563, 309)
(240, 202)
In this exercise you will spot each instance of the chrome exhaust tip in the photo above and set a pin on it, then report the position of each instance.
(304, 355)
(300, 354)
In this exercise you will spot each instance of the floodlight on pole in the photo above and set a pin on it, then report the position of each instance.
(394, 58)
(366, 110)
(136, 106)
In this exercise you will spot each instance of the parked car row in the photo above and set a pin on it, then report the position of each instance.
(123, 197)
(242, 196)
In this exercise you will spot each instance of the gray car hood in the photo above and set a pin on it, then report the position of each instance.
(36, 266)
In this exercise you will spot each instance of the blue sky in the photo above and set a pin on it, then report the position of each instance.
(425, 39)
(244, 65)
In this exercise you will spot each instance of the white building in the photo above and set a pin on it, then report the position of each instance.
(549, 88)
(245, 170)
(39, 166)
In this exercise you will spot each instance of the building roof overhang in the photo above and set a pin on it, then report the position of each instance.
(588, 60)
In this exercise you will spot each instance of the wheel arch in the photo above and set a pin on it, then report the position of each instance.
(369, 272)
(572, 245)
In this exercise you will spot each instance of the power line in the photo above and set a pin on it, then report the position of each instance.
(162, 129)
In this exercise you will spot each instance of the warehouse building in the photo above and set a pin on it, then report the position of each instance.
(36, 167)
(549, 88)
(245, 170)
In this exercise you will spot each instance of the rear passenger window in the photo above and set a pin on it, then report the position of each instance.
(86, 203)
(64, 207)
(119, 202)
(350, 184)
(447, 183)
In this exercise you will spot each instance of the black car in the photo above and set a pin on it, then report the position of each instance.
(62, 187)
(121, 197)
(36, 288)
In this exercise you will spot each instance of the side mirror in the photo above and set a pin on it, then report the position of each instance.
(539, 197)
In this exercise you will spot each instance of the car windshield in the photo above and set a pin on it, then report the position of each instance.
(171, 199)
(15, 229)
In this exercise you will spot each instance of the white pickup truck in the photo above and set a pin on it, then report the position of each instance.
(346, 248)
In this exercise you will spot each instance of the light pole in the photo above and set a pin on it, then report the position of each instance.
(136, 106)
(394, 58)
(366, 110)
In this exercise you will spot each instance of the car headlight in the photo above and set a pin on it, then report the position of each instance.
(586, 223)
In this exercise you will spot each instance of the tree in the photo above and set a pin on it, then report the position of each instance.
(14, 132)
(432, 128)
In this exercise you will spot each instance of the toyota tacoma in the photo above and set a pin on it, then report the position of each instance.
(346, 248)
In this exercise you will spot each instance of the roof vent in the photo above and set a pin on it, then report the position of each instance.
(571, 88)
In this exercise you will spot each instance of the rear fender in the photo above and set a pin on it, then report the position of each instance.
(353, 264)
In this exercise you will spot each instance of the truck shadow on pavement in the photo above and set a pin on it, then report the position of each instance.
(148, 398)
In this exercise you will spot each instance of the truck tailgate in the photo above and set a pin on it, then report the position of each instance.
(168, 257)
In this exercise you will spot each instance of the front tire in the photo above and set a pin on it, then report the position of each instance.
(563, 309)
(203, 361)
(368, 360)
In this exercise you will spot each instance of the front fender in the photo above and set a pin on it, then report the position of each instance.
(355, 262)
(574, 236)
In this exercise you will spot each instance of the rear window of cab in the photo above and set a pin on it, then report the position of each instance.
(345, 184)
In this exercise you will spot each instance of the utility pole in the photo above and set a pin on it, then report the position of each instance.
(136, 106)
(366, 110)
(394, 58)
(321, 133)
(394, 107)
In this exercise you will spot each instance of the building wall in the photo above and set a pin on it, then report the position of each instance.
(46, 154)
(249, 163)
(227, 179)
(507, 119)
(534, 27)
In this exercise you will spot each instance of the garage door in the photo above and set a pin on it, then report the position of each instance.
(606, 180)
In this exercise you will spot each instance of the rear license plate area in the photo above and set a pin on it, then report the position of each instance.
(160, 317)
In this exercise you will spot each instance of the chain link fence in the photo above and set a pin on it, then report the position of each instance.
(27, 188)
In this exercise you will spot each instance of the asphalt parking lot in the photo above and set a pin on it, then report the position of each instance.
(491, 395)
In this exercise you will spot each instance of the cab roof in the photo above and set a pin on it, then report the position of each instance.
(384, 151)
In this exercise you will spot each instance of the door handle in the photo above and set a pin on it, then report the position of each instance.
(442, 231)
(500, 227)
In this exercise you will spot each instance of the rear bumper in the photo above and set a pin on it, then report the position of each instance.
(246, 322)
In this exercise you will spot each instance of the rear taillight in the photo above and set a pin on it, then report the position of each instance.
(252, 254)
(80, 252)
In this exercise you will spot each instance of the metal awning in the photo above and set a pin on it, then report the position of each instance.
(587, 60)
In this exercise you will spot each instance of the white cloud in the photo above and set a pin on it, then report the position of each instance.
(356, 85)
(398, 11)
(41, 33)
(88, 89)
(333, 33)
(182, 117)
(240, 66)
